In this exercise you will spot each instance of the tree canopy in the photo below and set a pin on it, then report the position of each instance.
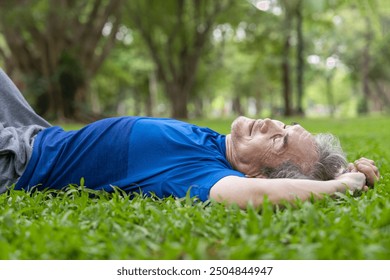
(80, 60)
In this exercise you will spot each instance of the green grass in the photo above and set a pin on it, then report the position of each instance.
(74, 224)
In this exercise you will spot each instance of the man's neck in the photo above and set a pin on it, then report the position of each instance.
(234, 162)
(229, 151)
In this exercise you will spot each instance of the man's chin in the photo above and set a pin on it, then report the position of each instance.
(241, 127)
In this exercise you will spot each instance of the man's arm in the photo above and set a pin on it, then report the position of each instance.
(242, 191)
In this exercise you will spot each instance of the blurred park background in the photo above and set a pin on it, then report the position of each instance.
(86, 59)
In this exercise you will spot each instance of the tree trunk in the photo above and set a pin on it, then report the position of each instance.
(186, 30)
(285, 56)
(236, 106)
(382, 98)
(300, 59)
(366, 59)
(199, 107)
(152, 96)
(258, 101)
(285, 66)
(286, 80)
(329, 93)
(60, 51)
(137, 103)
(178, 99)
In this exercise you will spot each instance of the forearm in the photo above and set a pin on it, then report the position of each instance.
(244, 191)
(280, 191)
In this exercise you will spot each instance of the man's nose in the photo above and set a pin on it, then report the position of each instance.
(271, 126)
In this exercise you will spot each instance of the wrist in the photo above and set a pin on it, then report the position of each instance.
(337, 185)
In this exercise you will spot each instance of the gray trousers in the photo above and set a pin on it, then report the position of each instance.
(19, 125)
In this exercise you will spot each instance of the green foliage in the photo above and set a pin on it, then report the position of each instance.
(82, 224)
(203, 51)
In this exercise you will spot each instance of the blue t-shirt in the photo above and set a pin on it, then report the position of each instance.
(136, 154)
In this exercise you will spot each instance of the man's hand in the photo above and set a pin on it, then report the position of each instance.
(354, 181)
(368, 168)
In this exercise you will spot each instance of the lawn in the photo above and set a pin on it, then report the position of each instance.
(78, 224)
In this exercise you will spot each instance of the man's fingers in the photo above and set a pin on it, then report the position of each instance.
(368, 165)
(370, 171)
(368, 168)
(367, 161)
(363, 159)
(351, 167)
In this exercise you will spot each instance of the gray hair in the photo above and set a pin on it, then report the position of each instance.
(331, 162)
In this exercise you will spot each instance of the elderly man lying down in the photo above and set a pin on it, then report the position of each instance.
(168, 157)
